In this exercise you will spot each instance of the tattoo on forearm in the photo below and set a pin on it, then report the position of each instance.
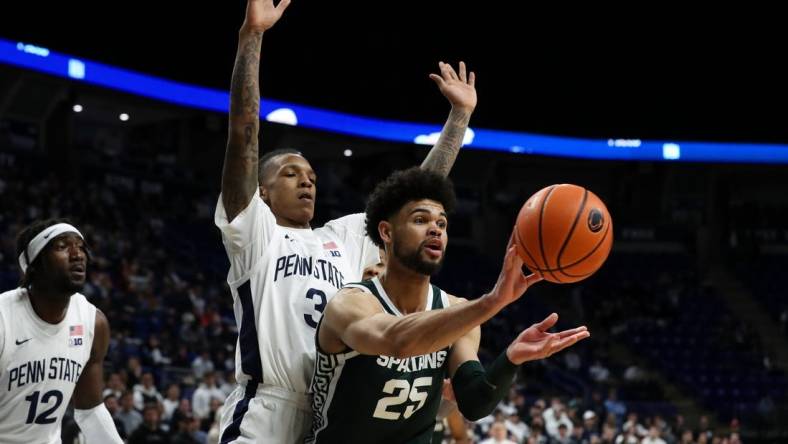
(239, 177)
(442, 156)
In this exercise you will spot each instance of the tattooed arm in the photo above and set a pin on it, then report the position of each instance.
(239, 175)
(461, 92)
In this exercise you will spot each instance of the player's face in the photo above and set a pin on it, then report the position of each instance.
(377, 269)
(64, 263)
(289, 189)
(419, 236)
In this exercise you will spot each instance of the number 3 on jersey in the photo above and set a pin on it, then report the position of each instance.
(319, 297)
(405, 392)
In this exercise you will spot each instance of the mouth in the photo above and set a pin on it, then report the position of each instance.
(434, 248)
(306, 197)
(77, 270)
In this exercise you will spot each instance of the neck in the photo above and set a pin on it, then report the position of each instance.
(48, 304)
(290, 223)
(406, 288)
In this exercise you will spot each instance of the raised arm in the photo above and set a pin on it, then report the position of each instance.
(460, 90)
(239, 175)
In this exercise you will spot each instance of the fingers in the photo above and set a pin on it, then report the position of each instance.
(283, 4)
(548, 322)
(463, 75)
(567, 333)
(534, 277)
(508, 260)
(447, 71)
(472, 79)
(438, 79)
(571, 340)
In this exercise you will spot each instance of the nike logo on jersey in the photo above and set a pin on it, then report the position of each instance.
(18, 342)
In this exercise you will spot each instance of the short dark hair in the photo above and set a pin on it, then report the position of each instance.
(402, 187)
(23, 239)
(263, 163)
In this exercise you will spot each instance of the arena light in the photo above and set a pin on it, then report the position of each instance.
(348, 152)
(95, 73)
(77, 108)
(123, 117)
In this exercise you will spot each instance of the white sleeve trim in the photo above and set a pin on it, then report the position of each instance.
(97, 425)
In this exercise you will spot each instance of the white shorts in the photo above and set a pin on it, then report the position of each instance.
(265, 414)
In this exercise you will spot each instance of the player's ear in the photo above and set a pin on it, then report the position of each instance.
(384, 229)
(264, 194)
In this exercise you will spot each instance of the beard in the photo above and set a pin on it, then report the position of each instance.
(414, 261)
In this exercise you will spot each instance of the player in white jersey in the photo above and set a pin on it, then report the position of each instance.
(281, 271)
(52, 342)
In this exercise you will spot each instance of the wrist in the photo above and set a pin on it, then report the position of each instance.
(247, 30)
(462, 110)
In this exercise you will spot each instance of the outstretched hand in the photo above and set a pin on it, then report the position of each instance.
(536, 343)
(261, 15)
(512, 283)
(460, 88)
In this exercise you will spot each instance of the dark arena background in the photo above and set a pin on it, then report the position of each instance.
(116, 118)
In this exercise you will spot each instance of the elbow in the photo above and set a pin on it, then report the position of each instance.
(471, 412)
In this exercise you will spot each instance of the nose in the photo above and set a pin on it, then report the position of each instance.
(77, 252)
(435, 230)
(305, 182)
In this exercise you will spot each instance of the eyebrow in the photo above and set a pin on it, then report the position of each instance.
(424, 210)
(298, 167)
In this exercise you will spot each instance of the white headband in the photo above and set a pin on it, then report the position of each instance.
(41, 240)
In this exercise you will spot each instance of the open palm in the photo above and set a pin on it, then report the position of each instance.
(460, 88)
(536, 343)
(261, 15)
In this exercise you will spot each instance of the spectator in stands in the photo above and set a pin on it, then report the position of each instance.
(133, 371)
(213, 414)
(498, 434)
(114, 386)
(614, 406)
(627, 437)
(202, 364)
(590, 426)
(171, 401)
(146, 392)
(632, 424)
(150, 431)
(130, 418)
(554, 416)
(653, 437)
(562, 436)
(686, 437)
(517, 428)
(153, 354)
(188, 431)
(537, 432)
(201, 400)
(111, 402)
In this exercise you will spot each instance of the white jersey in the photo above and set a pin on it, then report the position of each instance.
(40, 364)
(281, 280)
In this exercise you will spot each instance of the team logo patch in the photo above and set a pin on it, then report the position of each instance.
(75, 334)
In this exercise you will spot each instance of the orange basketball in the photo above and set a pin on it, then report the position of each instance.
(565, 232)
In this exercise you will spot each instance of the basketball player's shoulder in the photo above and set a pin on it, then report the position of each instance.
(353, 300)
(10, 297)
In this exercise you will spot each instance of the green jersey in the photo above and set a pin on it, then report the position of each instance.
(378, 399)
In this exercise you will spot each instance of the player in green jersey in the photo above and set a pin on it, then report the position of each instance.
(385, 345)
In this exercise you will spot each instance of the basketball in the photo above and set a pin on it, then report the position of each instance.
(565, 232)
